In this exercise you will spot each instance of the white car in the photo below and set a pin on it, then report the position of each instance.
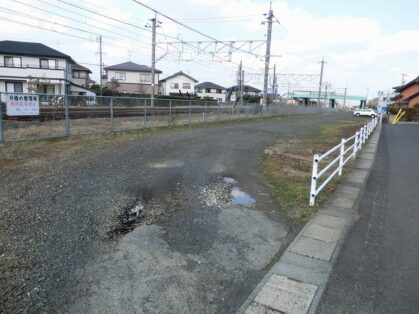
(365, 112)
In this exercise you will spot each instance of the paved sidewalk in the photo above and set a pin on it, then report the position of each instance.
(378, 268)
(296, 282)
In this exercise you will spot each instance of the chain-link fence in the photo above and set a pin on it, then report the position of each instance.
(66, 115)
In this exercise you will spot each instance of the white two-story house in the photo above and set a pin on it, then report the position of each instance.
(132, 78)
(27, 67)
(178, 84)
(211, 90)
(80, 79)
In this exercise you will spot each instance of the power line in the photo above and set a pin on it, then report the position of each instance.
(105, 16)
(219, 18)
(87, 17)
(117, 20)
(74, 20)
(40, 27)
(62, 25)
(183, 25)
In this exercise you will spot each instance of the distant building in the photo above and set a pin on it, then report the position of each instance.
(178, 84)
(233, 92)
(27, 67)
(408, 94)
(132, 78)
(209, 89)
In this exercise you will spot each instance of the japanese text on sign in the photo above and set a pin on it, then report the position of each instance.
(22, 105)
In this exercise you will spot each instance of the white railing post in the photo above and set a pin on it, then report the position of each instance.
(341, 156)
(314, 179)
(363, 134)
(356, 144)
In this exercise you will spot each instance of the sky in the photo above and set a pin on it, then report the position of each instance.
(366, 45)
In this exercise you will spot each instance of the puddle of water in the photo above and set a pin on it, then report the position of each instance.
(238, 197)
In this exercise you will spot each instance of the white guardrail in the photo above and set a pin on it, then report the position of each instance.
(345, 154)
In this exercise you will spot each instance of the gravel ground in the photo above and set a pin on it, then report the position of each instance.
(141, 224)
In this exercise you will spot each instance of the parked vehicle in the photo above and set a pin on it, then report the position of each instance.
(365, 112)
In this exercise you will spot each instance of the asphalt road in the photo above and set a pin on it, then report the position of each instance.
(143, 225)
(377, 270)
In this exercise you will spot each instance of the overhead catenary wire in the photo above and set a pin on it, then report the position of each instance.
(124, 22)
(186, 26)
(93, 31)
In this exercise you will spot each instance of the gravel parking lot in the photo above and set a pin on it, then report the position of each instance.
(172, 221)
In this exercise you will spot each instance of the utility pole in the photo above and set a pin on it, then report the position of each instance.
(403, 78)
(242, 88)
(101, 64)
(153, 57)
(320, 82)
(240, 78)
(325, 95)
(274, 84)
(270, 15)
(344, 97)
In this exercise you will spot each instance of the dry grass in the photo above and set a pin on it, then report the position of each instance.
(25, 130)
(287, 167)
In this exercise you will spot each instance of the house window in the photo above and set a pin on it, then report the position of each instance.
(14, 87)
(120, 76)
(48, 89)
(145, 78)
(174, 85)
(15, 62)
(186, 85)
(48, 63)
(79, 74)
(208, 90)
(219, 91)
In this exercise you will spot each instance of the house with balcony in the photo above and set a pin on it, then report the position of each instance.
(178, 84)
(211, 90)
(132, 78)
(407, 94)
(27, 67)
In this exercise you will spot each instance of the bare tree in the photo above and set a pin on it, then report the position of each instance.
(114, 85)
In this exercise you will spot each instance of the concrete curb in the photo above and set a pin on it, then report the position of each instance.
(296, 282)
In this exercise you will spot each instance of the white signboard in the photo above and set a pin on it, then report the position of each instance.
(22, 105)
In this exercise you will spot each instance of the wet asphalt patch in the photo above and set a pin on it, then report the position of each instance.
(146, 209)
(149, 209)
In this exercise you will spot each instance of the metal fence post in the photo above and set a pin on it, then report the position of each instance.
(66, 116)
(342, 155)
(111, 107)
(314, 180)
(169, 122)
(190, 113)
(204, 114)
(145, 113)
(1, 122)
(356, 144)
